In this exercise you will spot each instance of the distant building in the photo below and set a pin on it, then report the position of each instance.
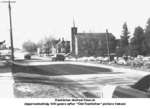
(47, 48)
(56, 46)
(2, 45)
(91, 44)
(63, 46)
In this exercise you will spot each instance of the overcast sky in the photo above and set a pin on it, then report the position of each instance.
(36, 19)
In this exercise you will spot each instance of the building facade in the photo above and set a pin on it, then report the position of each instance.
(63, 46)
(2, 45)
(91, 44)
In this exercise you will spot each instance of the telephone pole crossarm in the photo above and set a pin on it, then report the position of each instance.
(8, 1)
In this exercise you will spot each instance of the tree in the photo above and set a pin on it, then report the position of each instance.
(147, 30)
(146, 44)
(125, 36)
(48, 44)
(136, 45)
(45, 45)
(146, 39)
(123, 44)
(29, 46)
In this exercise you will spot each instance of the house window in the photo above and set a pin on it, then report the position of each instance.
(100, 43)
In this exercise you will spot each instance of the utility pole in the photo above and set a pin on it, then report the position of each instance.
(11, 30)
(107, 41)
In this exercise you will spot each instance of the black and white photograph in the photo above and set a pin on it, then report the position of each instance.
(77, 49)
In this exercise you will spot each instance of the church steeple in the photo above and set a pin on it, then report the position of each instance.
(74, 23)
(73, 33)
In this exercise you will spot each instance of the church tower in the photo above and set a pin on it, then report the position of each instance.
(73, 33)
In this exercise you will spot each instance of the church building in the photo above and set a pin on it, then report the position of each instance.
(91, 44)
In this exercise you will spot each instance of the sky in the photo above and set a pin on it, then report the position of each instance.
(36, 19)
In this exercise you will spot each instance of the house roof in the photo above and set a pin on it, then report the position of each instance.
(92, 35)
(2, 42)
(61, 42)
(58, 43)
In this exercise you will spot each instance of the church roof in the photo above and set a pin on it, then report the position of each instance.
(92, 35)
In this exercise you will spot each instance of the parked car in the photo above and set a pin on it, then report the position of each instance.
(58, 57)
(27, 56)
(140, 89)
